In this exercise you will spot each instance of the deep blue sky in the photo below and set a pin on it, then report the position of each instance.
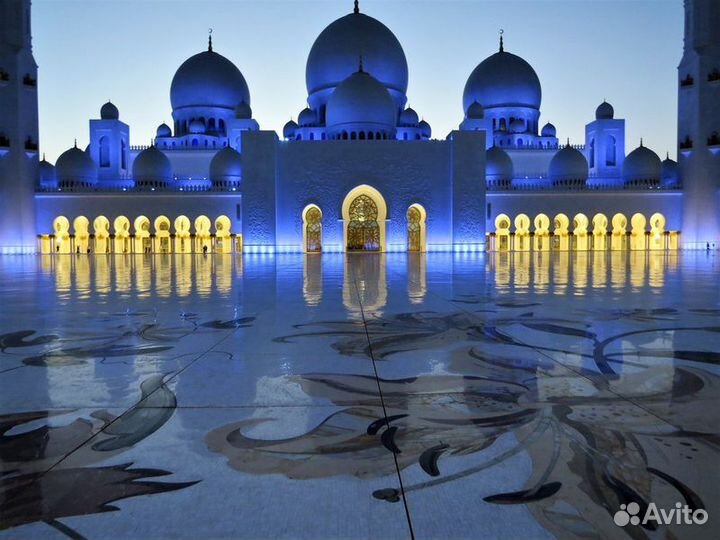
(584, 51)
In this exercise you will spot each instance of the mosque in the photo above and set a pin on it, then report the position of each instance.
(358, 170)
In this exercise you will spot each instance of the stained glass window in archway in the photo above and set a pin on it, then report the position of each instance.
(363, 233)
(414, 219)
(313, 230)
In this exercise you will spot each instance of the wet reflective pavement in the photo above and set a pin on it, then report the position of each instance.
(437, 396)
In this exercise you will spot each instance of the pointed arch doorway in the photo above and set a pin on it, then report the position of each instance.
(364, 213)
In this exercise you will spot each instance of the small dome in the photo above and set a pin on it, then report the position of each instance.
(243, 111)
(196, 127)
(152, 167)
(163, 130)
(409, 118)
(208, 79)
(76, 167)
(425, 129)
(498, 165)
(109, 112)
(604, 111)
(361, 103)
(669, 171)
(306, 118)
(549, 130)
(517, 126)
(289, 130)
(47, 172)
(475, 111)
(334, 57)
(643, 166)
(568, 166)
(503, 80)
(226, 167)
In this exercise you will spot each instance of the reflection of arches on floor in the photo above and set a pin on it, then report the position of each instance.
(223, 237)
(203, 238)
(522, 232)
(162, 234)
(81, 229)
(637, 234)
(502, 232)
(657, 231)
(183, 244)
(542, 233)
(561, 236)
(101, 229)
(364, 213)
(619, 232)
(580, 233)
(312, 229)
(61, 228)
(121, 225)
(599, 232)
(142, 235)
(416, 219)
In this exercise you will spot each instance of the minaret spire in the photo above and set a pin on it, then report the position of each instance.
(502, 45)
(357, 7)
(360, 65)
(210, 39)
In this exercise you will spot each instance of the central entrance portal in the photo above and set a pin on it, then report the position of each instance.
(364, 214)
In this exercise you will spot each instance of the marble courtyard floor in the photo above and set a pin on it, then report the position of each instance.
(468, 396)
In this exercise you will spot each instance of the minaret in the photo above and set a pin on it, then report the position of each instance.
(18, 129)
(699, 124)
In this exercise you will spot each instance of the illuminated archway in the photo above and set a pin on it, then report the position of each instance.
(657, 231)
(522, 232)
(312, 229)
(580, 232)
(561, 236)
(600, 224)
(121, 225)
(542, 232)
(183, 243)
(203, 237)
(223, 236)
(162, 234)
(101, 228)
(81, 228)
(141, 228)
(638, 233)
(416, 232)
(619, 232)
(61, 229)
(502, 232)
(364, 213)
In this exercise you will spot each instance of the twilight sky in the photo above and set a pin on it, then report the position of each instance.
(584, 51)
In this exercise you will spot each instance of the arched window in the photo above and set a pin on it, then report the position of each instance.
(592, 153)
(312, 219)
(312, 136)
(353, 136)
(195, 143)
(503, 125)
(104, 152)
(123, 154)
(211, 124)
(361, 136)
(405, 136)
(363, 232)
(371, 136)
(610, 151)
(221, 124)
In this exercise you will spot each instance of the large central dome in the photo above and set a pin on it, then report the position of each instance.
(334, 57)
(503, 80)
(208, 79)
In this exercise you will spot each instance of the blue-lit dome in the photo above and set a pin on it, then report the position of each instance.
(425, 129)
(642, 166)
(549, 130)
(47, 172)
(306, 118)
(498, 166)
(163, 130)
(208, 79)
(289, 130)
(503, 80)
(409, 117)
(568, 166)
(361, 104)
(475, 111)
(605, 111)
(335, 53)
(226, 168)
(109, 112)
(243, 111)
(75, 167)
(152, 168)
(669, 171)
